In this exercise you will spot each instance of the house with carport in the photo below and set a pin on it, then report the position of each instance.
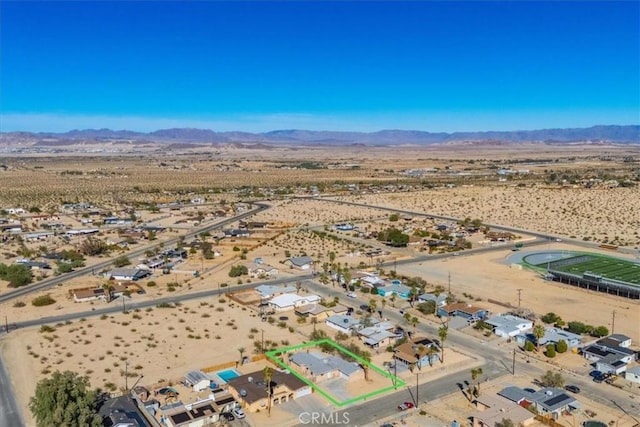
(318, 366)
(343, 323)
(381, 334)
(418, 352)
(301, 262)
(493, 408)
(287, 302)
(507, 325)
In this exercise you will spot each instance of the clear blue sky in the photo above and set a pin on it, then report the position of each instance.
(259, 66)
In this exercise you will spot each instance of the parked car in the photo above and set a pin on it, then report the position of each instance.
(365, 307)
(228, 416)
(572, 388)
(599, 378)
(238, 413)
(352, 295)
(404, 406)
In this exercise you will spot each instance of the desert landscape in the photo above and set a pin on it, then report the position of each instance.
(574, 199)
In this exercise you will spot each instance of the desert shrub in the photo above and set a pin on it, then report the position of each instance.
(43, 300)
(562, 346)
(551, 350)
(19, 304)
(529, 346)
(16, 274)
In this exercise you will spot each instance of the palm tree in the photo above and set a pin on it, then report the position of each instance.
(366, 357)
(442, 333)
(241, 351)
(475, 374)
(538, 332)
(414, 322)
(421, 350)
(267, 372)
(298, 287)
(107, 291)
(372, 305)
(384, 302)
(431, 351)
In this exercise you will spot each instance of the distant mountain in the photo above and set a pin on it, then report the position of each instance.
(594, 134)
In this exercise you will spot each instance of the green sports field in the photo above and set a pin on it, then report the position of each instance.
(610, 268)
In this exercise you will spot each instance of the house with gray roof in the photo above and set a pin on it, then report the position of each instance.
(122, 411)
(269, 291)
(379, 335)
(551, 336)
(198, 380)
(507, 325)
(612, 364)
(549, 400)
(301, 262)
(343, 323)
(440, 300)
(320, 366)
(128, 274)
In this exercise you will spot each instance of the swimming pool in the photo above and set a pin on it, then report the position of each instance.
(227, 374)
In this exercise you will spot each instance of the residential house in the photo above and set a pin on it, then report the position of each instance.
(123, 411)
(419, 352)
(237, 232)
(318, 366)
(128, 274)
(251, 389)
(198, 380)
(612, 364)
(287, 302)
(43, 235)
(301, 263)
(199, 414)
(379, 335)
(343, 323)
(395, 288)
(318, 312)
(493, 408)
(633, 374)
(620, 340)
(547, 401)
(440, 299)
(551, 336)
(507, 325)
(606, 347)
(262, 271)
(269, 291)
(464, 310)
(34, 265)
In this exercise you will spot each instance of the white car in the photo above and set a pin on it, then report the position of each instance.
(238, 412)
(352, 295)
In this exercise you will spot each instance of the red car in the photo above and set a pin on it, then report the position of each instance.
(404, 406)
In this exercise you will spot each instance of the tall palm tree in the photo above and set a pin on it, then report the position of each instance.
(431, 351)
(107, 291)
(241, 351)
(372, 305)
(442, 333)
(475, 374)
(414, 322)
(538, 332)
(267, 373)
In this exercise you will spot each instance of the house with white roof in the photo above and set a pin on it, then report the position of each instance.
(633, 374)
(507, 325)
(270, 291)
(379, 335)
(198, 380)
(286, 302)
(440, 300)
(551, 336)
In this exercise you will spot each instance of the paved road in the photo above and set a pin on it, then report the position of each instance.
(47, 283)
(9, 413)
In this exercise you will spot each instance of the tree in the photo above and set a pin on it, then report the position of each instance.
(16, 274)
(64, 267)
(538, 332)
(528, 346)
(505, 422)
(238, 270)
(600, 331)
(428, 307)
(442, 333)
(475, 374)
(394, 217)
(551, 351)
(576, 327)
(552, 379)
(267, 373)
(372, 305)
(562, 346)
(92, 246)
(241, 351)
(65, 399)
(121, 261)
(550, 318)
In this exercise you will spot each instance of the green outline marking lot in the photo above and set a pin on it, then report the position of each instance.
(274, 356)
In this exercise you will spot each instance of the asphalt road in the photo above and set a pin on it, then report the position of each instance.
(9, 413)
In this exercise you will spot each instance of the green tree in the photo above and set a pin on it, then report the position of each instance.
(16, 274)
(267, 373)
(528, 346)
(442, 333)
(538, 332)
(550, 318)
(394, 217)
(576, 327)
(552, 379)
(505, 422)
(551, 351)
(238, 270)
(64, 267)
(600, 331)
(65, 399)
(121, 261)
(475, 374)
(428, 307)
(561, 346)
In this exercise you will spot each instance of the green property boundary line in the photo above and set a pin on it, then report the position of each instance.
(273, 355)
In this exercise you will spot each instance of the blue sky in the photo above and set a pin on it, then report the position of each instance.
(259, 66)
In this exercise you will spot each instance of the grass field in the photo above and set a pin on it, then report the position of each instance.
(610, 268)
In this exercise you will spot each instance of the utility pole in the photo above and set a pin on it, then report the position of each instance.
(513, 366)
(519, 296)
(449, 284)
(613, 321)
(124, 310)
(6, 324)
(262, 345)
(126, 383)
(417, 391)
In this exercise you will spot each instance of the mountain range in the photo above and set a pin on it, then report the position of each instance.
(627, 134)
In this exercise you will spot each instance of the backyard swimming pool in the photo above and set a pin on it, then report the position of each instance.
(227, 374)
